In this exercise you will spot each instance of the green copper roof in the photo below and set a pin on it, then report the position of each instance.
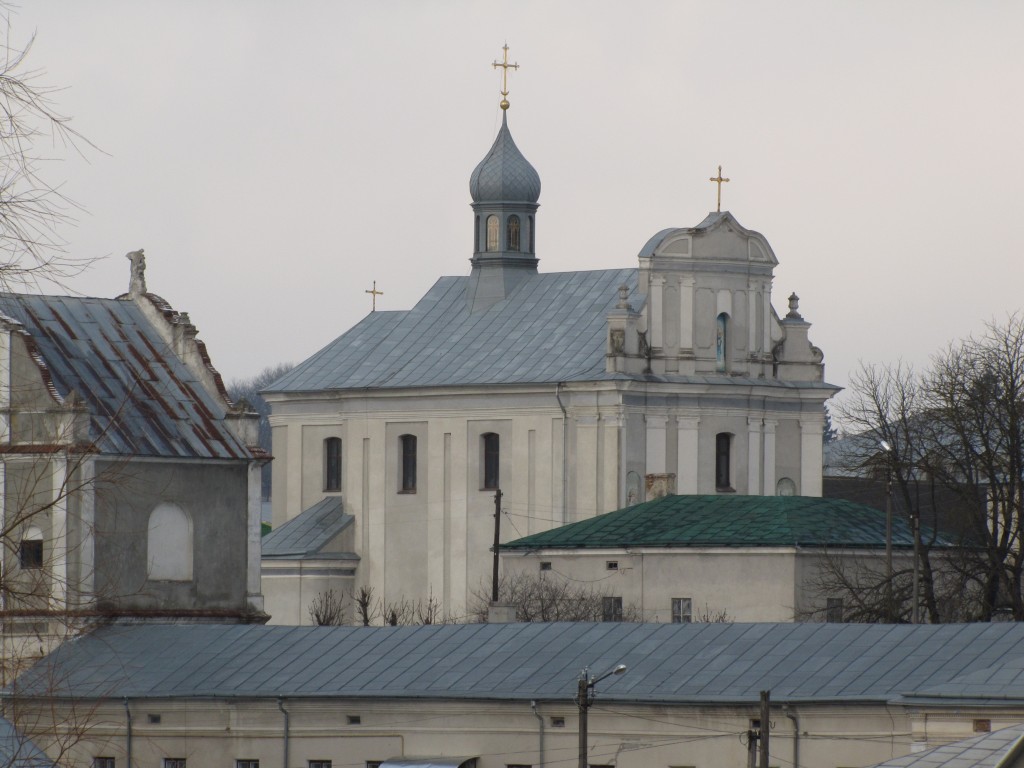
(729, 521)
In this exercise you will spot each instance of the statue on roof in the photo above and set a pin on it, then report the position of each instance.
(137, 284)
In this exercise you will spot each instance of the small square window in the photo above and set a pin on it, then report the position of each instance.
(611, 609)
(354, 720)
(103, 762)
(319, 764)
(174, 762)
(558, 722)
(982, 726)
(682, 610)
(153, 719)
(31, 553)
(545, 565)
(611, 565)
(247, 764)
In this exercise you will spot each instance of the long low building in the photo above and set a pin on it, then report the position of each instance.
(503, 695)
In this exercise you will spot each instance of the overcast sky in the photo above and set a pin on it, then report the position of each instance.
(274, 159)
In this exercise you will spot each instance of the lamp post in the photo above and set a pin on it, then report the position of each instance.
(889, 612)
(585, 698)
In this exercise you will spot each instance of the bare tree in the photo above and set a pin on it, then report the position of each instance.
(327, 609)
(540, 598)
(31, 208)
(949, 440)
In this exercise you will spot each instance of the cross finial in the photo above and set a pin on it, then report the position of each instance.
(374, 293)
(505, 67)
(719, 181)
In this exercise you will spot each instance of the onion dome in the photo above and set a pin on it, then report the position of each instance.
(504, 175)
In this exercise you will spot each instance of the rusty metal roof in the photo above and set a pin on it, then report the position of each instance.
(142, 398)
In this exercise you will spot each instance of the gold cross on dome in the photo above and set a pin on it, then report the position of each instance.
(505, 67)
(719, 181)
(375, 293)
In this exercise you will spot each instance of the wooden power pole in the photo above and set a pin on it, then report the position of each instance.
(497, 541)
(765, 726)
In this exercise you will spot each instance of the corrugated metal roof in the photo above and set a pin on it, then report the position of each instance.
(309, 531)
(988, 750)
(143, 400)
(667, 663)
(729, 520)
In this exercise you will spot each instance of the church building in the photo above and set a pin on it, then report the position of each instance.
(574, 393)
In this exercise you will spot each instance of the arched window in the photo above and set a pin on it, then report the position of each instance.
(408, 465)
(476, 233)
(721, 342)
(532, 248)
(332, 464)
(723, 446)
(492, 233)
(512, 233)
(492, 454)
(169, 545)
(31, 549)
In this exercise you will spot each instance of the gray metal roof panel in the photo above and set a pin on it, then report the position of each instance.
(523, 339)
(989, 750)
(689, 663)
(308, 532)
(143, 400)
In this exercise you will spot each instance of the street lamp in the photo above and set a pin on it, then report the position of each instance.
(888, 531)
(585, 698)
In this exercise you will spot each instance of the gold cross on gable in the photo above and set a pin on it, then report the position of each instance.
(505, 67)
(719, 181)
(375, 293)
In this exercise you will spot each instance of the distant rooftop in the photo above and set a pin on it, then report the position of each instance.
(728, 520)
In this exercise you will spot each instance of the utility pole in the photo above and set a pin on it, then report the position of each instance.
(497, 541)
(765, 726)
(584, 700)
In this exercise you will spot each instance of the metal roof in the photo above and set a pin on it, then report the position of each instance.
(989, 750)
(308, 532)
(19, 751)
(142, 398)
(667, 663)
(504, 175)
(728, 520)
(551, 328)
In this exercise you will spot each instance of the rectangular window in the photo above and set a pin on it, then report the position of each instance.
(31, 553)
(611, 609)
(332, 464)
(103, 762)
(319, 764)
(722, 446)
(491, 459)
(408, 467)
(611, 565)
(682, 610)
(834, 610)
(545, 565)
(174, 762)
(558, 722)
(247, 764)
